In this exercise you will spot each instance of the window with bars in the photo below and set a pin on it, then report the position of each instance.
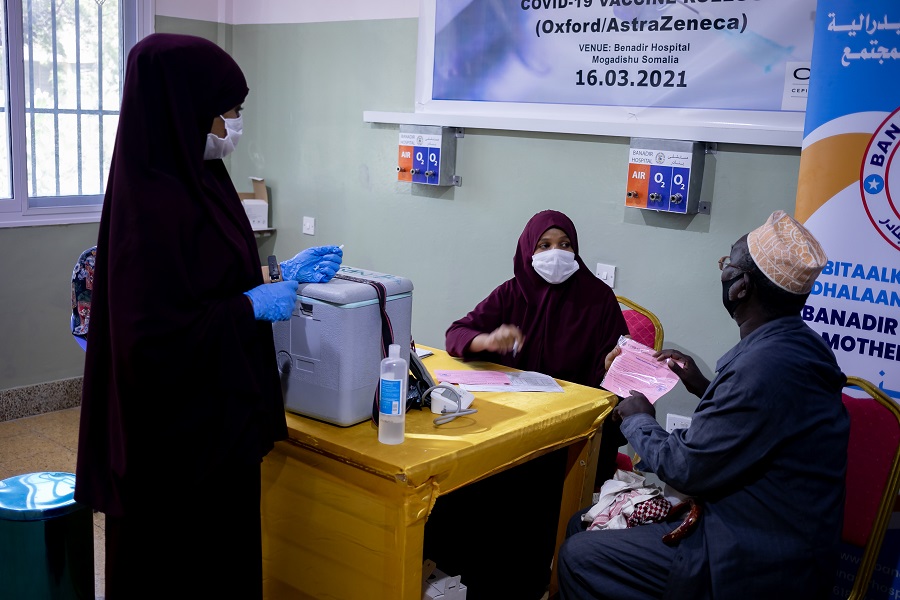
(62, 76)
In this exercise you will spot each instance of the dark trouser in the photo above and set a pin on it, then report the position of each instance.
(188, 545)
(614, 564)
(610, 441)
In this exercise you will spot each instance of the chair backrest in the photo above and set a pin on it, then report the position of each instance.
(82, 285)
(873, 475)
(643, 325)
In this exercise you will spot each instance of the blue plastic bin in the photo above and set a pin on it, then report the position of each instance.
(46, 539)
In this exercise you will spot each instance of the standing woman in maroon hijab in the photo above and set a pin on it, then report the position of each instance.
(554, 316)
(181, 398)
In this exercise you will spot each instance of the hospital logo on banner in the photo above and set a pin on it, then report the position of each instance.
(875, 180)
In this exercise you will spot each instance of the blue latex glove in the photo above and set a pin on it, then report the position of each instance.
(273, 301)
(313, 265)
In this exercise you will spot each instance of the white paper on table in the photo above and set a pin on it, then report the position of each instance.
(472, 377)
(636, 369)
(525, 381)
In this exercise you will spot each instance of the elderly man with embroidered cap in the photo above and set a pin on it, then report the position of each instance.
(764, 457)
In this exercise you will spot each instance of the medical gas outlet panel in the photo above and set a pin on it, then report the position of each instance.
(665, 175)
(427, 155)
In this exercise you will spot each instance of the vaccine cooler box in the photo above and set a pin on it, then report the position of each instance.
(329, 352)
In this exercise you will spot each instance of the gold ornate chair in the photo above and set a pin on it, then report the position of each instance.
(643, 325)
(645, 328)
(873, 475)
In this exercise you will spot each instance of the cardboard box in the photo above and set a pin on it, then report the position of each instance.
(256, 204)
(437, 585)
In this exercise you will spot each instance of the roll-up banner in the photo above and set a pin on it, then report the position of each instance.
(849, 185)
(848, 195)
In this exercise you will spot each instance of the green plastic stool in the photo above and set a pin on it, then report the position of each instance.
(46, 539)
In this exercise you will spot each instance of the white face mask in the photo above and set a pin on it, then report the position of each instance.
(555, 266)
(217, 147)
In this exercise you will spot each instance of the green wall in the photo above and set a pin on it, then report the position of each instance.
(304, 133)
(36, 295)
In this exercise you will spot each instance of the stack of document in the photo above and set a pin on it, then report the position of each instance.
(500, 381)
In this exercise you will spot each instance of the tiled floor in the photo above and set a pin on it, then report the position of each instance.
(48, 442)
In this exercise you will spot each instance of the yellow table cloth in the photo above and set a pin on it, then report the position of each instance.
(343, 515)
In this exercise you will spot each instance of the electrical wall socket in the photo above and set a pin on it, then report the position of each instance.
(677, 422)
(606, 274)
(309, 225)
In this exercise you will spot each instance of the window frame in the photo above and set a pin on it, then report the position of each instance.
(136, 22)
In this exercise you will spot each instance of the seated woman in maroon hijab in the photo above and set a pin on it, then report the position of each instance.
(554, 316)
(562, 320)
(181, 397)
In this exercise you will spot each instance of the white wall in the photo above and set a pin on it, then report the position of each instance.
(245, 12)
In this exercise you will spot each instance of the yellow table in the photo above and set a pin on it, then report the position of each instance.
(343, 516)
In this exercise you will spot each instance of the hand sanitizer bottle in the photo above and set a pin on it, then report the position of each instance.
(392, 397)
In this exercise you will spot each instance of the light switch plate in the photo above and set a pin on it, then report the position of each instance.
(674, 421)
(606, 274)
(309, 225)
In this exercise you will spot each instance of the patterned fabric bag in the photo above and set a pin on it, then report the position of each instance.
(82, 284)
(627, 500)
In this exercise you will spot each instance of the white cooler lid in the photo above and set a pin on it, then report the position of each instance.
(341, 291)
